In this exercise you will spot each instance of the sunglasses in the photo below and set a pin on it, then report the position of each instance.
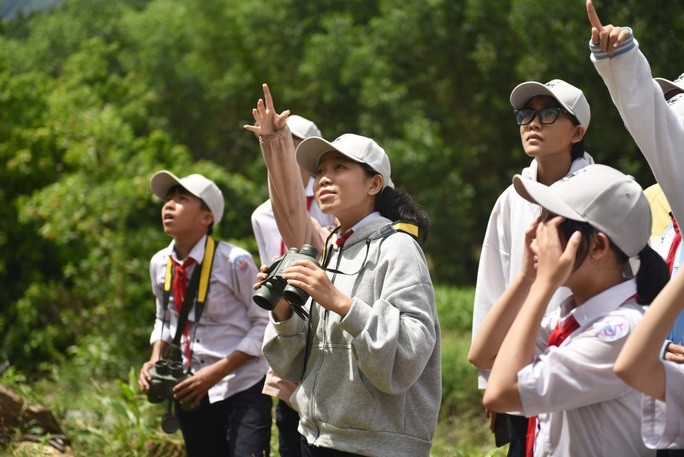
(547, 116)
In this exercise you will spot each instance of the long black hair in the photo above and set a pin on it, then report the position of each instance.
(653, 273)
(398, 205)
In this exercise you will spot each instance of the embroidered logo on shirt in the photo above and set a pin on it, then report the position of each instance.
(611, 329)
(241, 263)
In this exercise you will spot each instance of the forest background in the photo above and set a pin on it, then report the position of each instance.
(97, 95)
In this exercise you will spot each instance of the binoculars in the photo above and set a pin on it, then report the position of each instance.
(165, 375)
(274, 287)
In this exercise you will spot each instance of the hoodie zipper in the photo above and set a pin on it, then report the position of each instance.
(324, 338)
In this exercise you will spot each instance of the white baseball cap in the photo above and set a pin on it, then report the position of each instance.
(302, 127)
(358, 148)
(570, 97)
(666, 85)
(199, 186)
(604, 197)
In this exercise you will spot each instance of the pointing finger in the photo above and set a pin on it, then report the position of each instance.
(593, 17)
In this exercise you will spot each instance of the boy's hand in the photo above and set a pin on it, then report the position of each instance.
(145, 378)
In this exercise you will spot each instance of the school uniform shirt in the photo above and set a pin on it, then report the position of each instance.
(269, 241)
(662, 425)
(503, 247)
(583, 408)
(230, 320)
(372, 380)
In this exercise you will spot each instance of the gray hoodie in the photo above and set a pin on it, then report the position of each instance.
(372, 381)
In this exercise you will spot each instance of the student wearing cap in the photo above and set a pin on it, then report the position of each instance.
(223, 409)
(368, 358)
(553, 119)
(271, 245)
(558, 369)
(653, 112)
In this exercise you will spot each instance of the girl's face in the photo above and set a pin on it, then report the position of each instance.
(184, 215)
(343, 189)
(549, 140)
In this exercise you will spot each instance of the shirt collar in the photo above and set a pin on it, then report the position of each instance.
(601, 304)
(365, 220)
(197, 251)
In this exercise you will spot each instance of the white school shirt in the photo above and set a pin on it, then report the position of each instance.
(230, 321)
(503, 247)
(266, 232)
(583, 408)
(662, 425)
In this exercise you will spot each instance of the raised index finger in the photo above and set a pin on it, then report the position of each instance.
(268, 98)
(593, 17)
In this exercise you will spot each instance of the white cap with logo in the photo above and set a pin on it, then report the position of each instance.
(358, 148)
(302, 127)
(604, 197)
(570, 97)
(199, 186)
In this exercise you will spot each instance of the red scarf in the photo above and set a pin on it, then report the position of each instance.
(559, 334)
(180, 285)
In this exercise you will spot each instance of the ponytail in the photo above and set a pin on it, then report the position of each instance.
(397, 204)
(652, 276)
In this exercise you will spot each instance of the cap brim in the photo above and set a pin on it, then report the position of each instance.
(666, 85)
(525, 91)
(544, 196)
(310, 151)
(162, 181)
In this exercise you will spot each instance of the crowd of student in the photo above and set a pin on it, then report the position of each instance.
(576, 324)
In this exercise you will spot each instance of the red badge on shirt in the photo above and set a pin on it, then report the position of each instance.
(241, 263)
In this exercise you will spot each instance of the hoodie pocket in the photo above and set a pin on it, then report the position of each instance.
(340, 395)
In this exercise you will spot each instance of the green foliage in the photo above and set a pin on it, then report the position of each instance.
(96, 95)
(105, 414)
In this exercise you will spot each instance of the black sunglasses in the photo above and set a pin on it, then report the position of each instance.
(547, 116)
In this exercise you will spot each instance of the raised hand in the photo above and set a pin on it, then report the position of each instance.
(266, 117)
(608, 37)
(555, 263)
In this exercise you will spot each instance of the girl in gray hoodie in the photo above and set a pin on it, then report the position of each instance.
(367, 360)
